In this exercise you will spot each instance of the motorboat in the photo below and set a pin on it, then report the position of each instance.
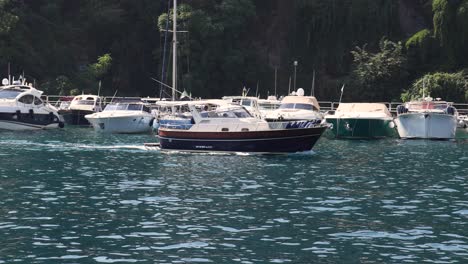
(80, 106)
(231, 128)
(361, 120)
(296, 107)
(21, 108)
(427, 119)
(126, 117)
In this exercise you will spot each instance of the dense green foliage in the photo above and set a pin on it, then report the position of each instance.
(449, 86)
(378, 75)
(71, 46)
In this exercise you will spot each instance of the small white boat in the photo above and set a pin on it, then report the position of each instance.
(21, 108)
(427, 119)
(123, 117)
(296, 107)
(79, 107)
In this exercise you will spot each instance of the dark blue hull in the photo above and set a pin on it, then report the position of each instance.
(284, 141)
(31, 120)
(76, 117)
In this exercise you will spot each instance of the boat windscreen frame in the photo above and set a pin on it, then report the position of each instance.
(10, 93)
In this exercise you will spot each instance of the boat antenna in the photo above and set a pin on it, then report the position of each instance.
(256, 91)
(424, 87)
(276, 78)
(342, 89)
(114, 95)
(338, 119)
(99, 89)
(289, 89)
(9, 73)
(313, 84)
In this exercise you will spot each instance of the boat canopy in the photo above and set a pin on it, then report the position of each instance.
(350, 108)
(301, 100)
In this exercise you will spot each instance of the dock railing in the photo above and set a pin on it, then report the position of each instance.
(325, 106)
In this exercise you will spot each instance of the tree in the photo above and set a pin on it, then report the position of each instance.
(450, 20)
(378, 74)
(448, 86)
(7, 19)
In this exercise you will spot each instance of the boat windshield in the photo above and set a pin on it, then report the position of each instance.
(85, 102)
(297, 106)
(268, 106)
(237, 113)
(428, 105)
(246, 102)
(126, 107)
(9, 94)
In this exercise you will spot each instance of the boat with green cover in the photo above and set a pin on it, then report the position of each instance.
(361, 121)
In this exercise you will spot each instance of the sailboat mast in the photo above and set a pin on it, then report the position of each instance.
(174, 52)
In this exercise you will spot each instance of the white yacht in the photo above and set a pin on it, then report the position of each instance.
(81, 105)
(296, 107)
(21, 108)
(427, 119)
(126, 117)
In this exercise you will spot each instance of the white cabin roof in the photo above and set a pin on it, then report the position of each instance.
(292, 99)
(369, 108)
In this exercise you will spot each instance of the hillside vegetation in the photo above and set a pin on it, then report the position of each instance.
(383, 50)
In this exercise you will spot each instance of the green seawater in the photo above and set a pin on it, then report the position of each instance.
(74, 196)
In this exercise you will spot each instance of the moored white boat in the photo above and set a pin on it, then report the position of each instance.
(122, 117)
(79, 107)
(427, 119)
(296, 107)
(21, 108)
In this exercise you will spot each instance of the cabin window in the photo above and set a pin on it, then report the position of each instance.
(224, 129)
(37, 101)
(134, 107)
(246, 102)
(27, 99)
(9, 94)
(298, 106)
(244, 129)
